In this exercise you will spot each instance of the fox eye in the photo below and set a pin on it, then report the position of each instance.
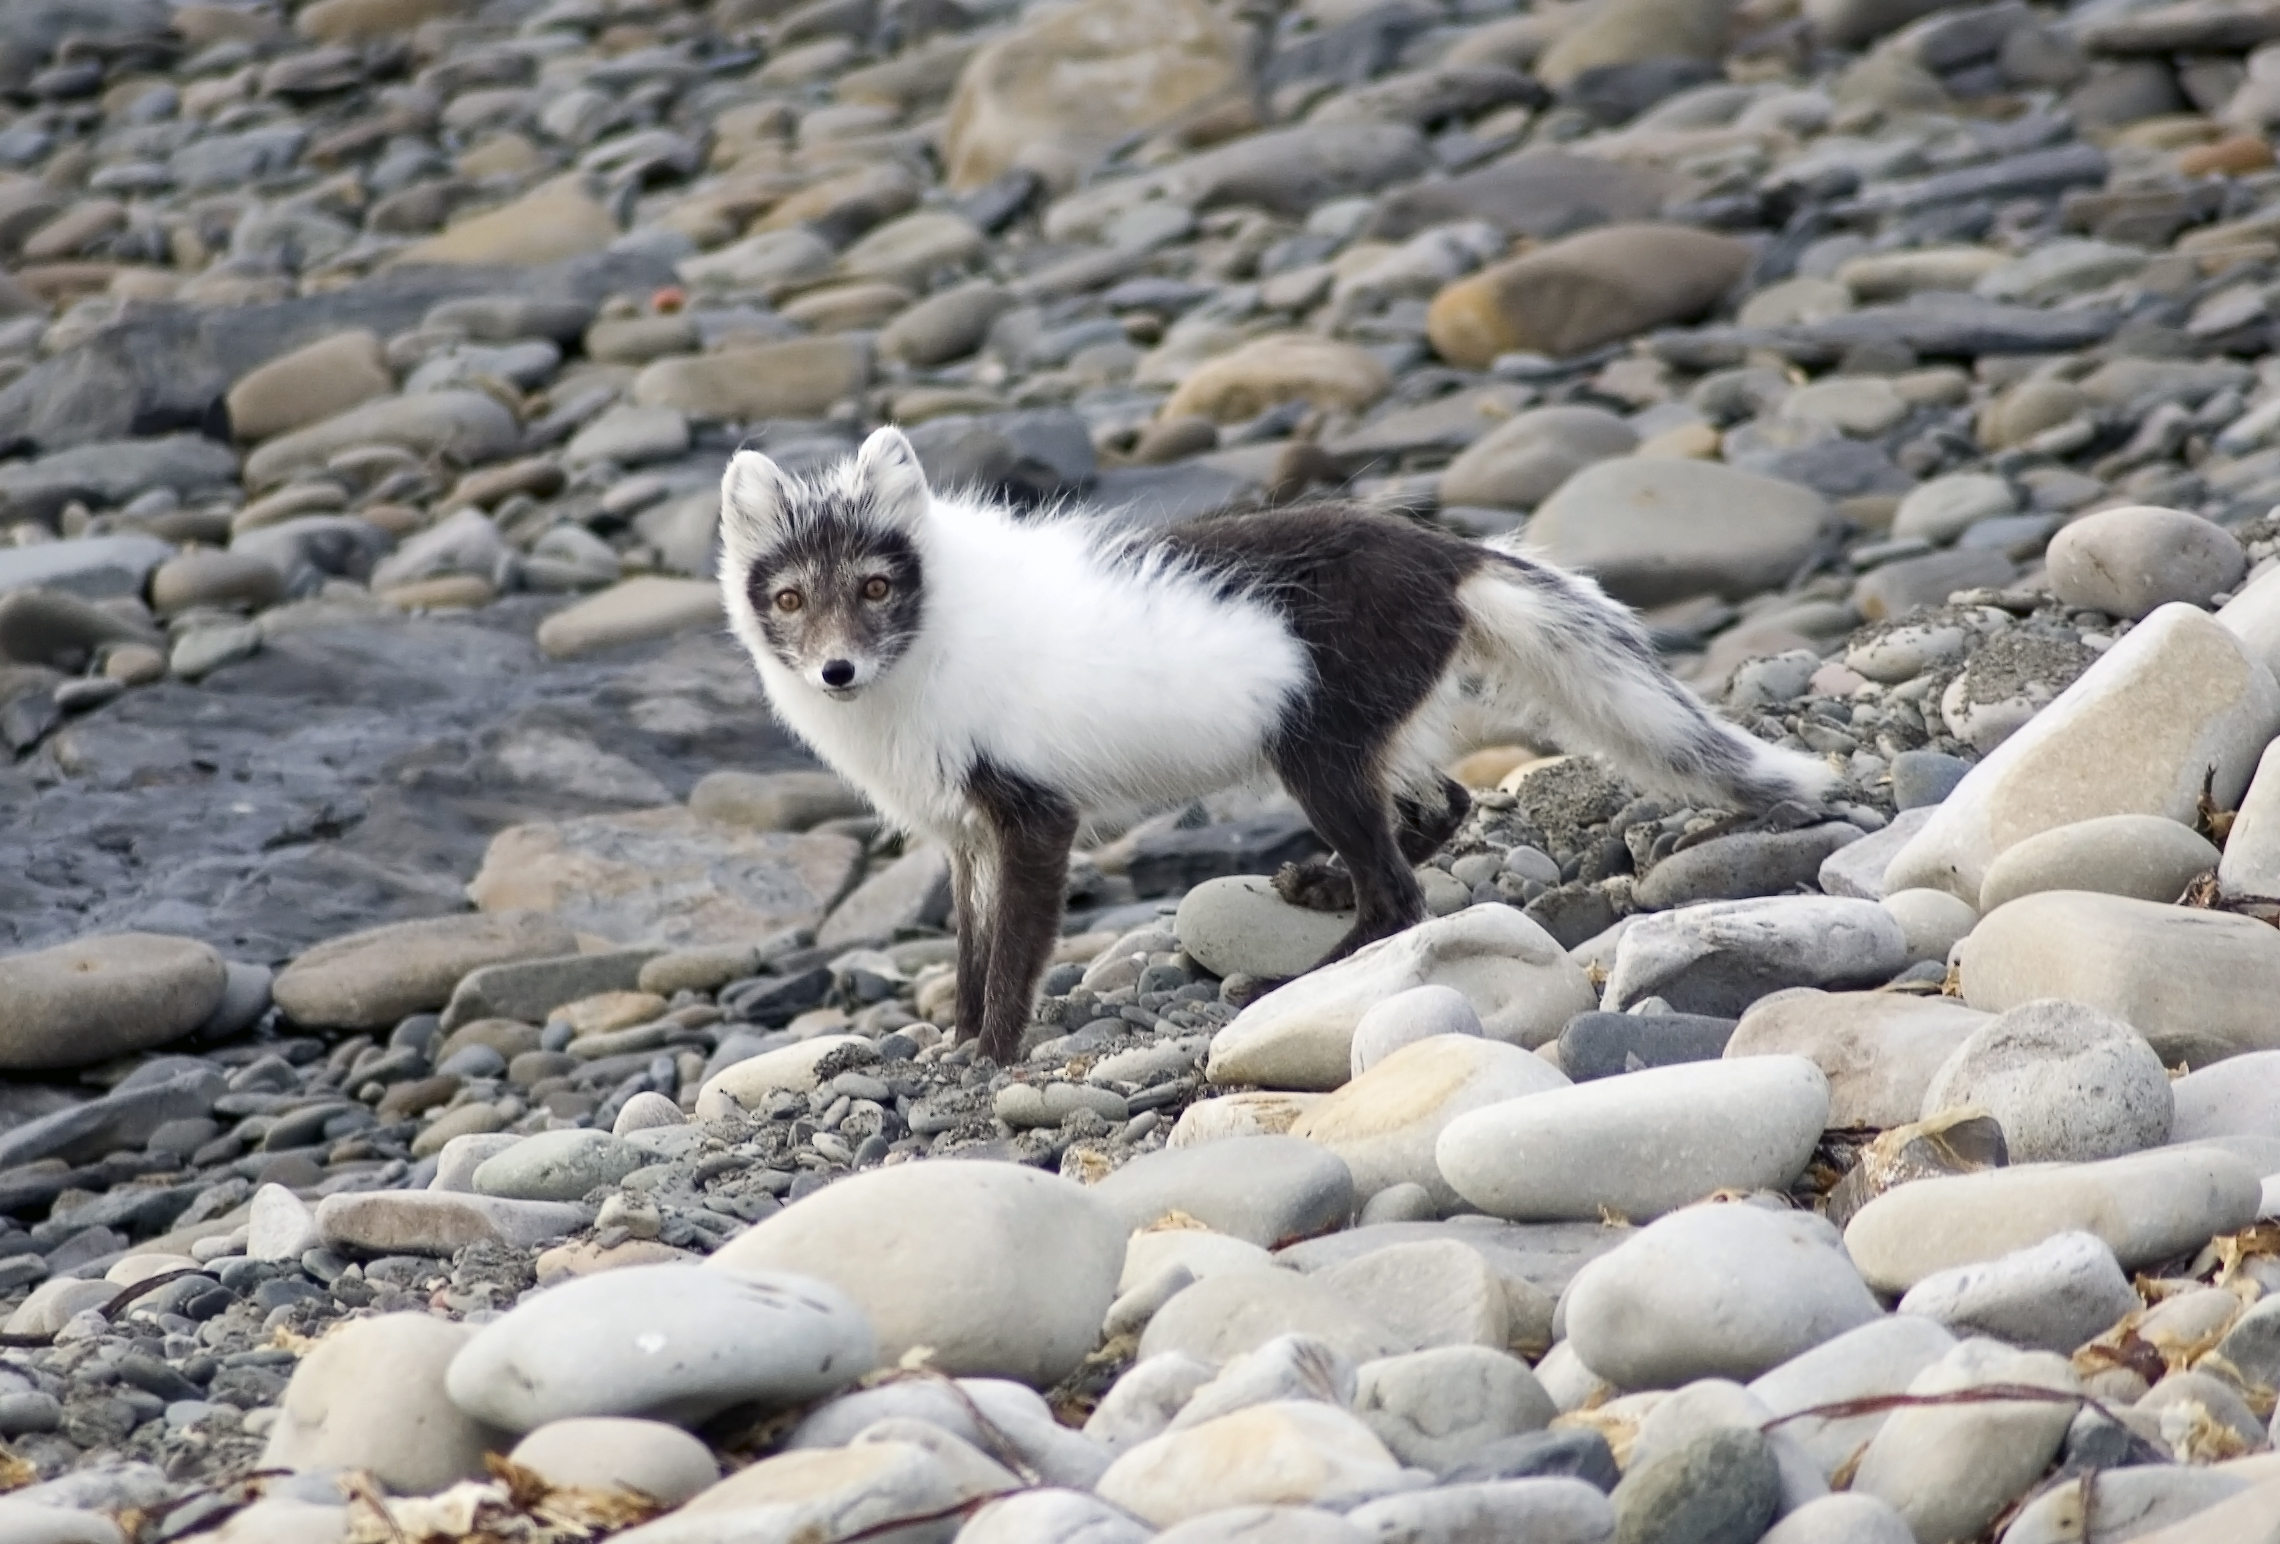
(788, 601)
(875, 588)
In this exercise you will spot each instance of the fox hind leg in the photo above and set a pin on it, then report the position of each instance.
(1342, 801)
(1421, 826)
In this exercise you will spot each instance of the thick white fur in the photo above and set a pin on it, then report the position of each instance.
(1044, 651)
(1036, 651)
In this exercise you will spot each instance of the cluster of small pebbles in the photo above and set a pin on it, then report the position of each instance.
(468, 1078)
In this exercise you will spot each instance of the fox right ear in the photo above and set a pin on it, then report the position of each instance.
(754, 495)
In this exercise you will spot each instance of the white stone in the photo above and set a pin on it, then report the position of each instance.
(1721, 956)
(2130, 559)
(1434, 1409)
(991, 1413)
(1842, 1519)
(670, 1342)
(1517, 978)
(1950, 1470)
(2125, 1504)
(2251, 862)
(370, 1395)
(2197, 984)
(1877, 1049)
(820, 1493)
(2253, 616)
(1052, 1517)
(1540, 1511)
(1708, 1404)
(1434, 1292)
(1199, 1251)
(1931, 921)
(2239, 1096)
(1003, 1270)
(740, 1086)
(1223, 1316)
(1945, 507)
(2050, 1296)
(280, 1225)
(2145, 856)
(1384, 1123)
(609, 1453)
(1726, 1291)
(1641, 1144)
(2066, 1082)
(1289, 1452)
(1407, 1017)
(2178, 703)
(1143, 1403)
(1881, 1357)
(2146, 1207)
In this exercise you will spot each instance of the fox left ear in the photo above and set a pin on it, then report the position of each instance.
(890, 481)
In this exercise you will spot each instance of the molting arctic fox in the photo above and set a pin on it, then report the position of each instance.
(987, 679)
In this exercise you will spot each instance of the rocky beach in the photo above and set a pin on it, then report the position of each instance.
(465, 1074)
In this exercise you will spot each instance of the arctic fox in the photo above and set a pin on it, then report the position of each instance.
(987, 678)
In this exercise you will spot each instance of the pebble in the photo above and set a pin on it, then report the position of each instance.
(557, 1166)
(649, 606)
(1932, 921)
(2067, 1083)
(1436, 1409)
(2144, 856)
(1238, 924)
(1880, 1357)
(616, 1453)
(1036, 1259)
(1950, 1470)
(371, 1396)
(2129, 561)
(2251, 862)
(2234, 1097)
(371, 979)
(1284, 1452)
(440, 1222)
(1520, 982)
(1385, 1123)
(2050, 1296)
(1524, 460)
(816, 1490)
(1654, 530)
(2186, 980)
(1405, 1018)
(317, 381)
(1722, 1485)
(1265, 1190)
(103, 996)
(664, 1342)
(1639, 1145)
(1556, 1511)
(1573, 295)
(2146, 1207)
(2124, 1503)
(1841, 1519)
(1726, 1291)
(1231, 1312)
(2175, 706)
(1718, 957)
(1605, 1045)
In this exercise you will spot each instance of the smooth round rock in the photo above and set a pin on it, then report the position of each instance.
(1944, 508)
(1842, 1519)
(1522, 461)
(93, 999)
(558, 1166)
(2051, 1296)
(612, 1453)
(2144, 856)
(1003, 1270)
(1408, 1017)
(1284, 1452)
(1725, 1291)
(2239, 1096)
(2068, 1083)
(1239, 924)
(1930, 920)
(372, 979)
(668, 1342)
(1951, 1469)
(370, 1395)
(1722, 1487)
(1642, 1144)
(1268, 1190)
(2130, 560)
(1435, 1409)
(1386, 1122)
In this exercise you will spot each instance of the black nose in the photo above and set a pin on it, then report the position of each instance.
(838, 672)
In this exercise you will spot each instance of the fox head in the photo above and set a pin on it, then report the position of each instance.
(823, 575)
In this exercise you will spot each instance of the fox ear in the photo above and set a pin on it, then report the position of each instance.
(754, 496)
(890, 481)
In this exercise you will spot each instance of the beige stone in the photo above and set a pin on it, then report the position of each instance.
(370, 1396)
(2199, 985)
(370, 979)
(629, 612)
(363, 21)
(2177, 706)
(665, 876)
(1280, 367)
(1064, 88)
(1877, 1049)
(1632, 31)
(1284, 1452)
(2144, 856)
(83, 1002)
(541, 227)
(802, 378)
(312, 383)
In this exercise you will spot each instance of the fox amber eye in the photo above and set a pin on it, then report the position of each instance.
(875, 588)
(788, 601)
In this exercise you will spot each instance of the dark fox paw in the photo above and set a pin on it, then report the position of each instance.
(1317, 884)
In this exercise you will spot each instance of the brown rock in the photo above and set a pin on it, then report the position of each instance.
(357, 21)
(1065, 87)
(206, 576)
(1630, 31)
(1583, 291)
(75, 230)
(1280, 367)
(326, 377)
